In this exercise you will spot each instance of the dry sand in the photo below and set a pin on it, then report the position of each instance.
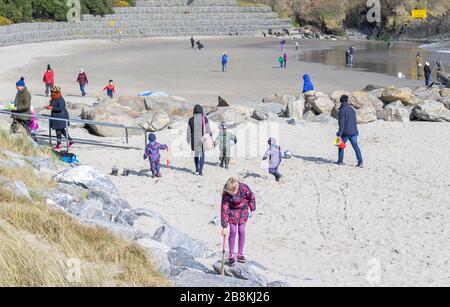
(323, 224)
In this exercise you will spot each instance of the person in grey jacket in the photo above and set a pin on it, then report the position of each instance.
(348, 130)
(198, 126)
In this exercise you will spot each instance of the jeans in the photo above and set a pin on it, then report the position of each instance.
(200, 163)
(224, 67)
(354, 141)
(19, 124)
(48, 88)
(82, 89)
(234, 230)
(285, 64)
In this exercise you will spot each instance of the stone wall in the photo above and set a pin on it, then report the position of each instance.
(153, 18)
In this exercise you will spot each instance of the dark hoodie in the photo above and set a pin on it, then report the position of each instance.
(196, 129)
(307, 84)
(347, 119)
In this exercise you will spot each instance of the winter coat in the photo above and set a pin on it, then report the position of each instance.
(307, 84)
(196, 131)
(427, 71)
(23, 105)
(224, 59)
(59, 111)
(224, 140)
(347, 121)
(274, 156)
(152, 151)
(49, 77)
(236, 209)
(82, 79)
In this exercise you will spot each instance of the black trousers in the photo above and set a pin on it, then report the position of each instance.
(60, 133)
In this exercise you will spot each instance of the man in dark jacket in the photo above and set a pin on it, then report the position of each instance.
(198, 126)
(348, 130)
(22, 105)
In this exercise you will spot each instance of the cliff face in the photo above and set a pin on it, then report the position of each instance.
(333, 16)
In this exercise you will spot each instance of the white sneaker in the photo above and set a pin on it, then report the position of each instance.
(197, 174)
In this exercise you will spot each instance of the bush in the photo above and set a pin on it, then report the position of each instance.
(5, 21)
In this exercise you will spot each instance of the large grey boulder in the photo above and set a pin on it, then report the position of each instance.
(199, 279)
(432, 111)
(295, 108)
(444, 78)
(283, 100)
(361, 99)
(246, 271)
(424, 93)
(88, 178)
(180, 258)
(233, 116)
(174, 238)
(445, 101)
(366, 115)
(309, 115)
(405, 95)
(265, 111)
(324, 119)
(319, 102)
(158, 252)
(394, 112)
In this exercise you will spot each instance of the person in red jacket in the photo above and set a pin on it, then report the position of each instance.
(110, 89)
(83, 81)
(49, 80)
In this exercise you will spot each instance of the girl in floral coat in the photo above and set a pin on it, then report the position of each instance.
(237, 203)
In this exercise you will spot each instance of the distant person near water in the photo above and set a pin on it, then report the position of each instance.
(110, 89)
(22, 105)
(297, 46)
(275, 157)
(281, 60)
(152, 154)
(200, 46)
(285, 60)
(427, 72)
(58, 108)
(192, 43)
(82, 80)
(349, 56)
(238, 203)
(307, 84)
(224, 59)
(49, 79)
(198, 128)
(348, 130)
(224, 140)
(419, 63)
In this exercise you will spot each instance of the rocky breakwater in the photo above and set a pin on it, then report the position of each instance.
(93, 199)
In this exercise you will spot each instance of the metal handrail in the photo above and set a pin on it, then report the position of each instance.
(76, 120)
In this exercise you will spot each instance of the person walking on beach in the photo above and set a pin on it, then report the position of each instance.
(152, 154)
(82, 80)
(297, 46)
(224, 59)
(238, 202)
(351, 52)
(198, 129)
(281, 60)
(58, 108)
(307, 84)
(427, 72)
(192, 42)
(419, 63)
(49, 79)
(348, 130)
(22, 105)
(275, 158)
(224, 140)
(110, 89)
(285, 59)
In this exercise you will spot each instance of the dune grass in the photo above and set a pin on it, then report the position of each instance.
(37, 241)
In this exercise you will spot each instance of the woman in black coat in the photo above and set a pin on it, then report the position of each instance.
(58, 108)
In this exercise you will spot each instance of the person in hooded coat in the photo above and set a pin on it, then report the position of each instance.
(58, 108)
(198, 126)
(348, 130)
(427, 72)
(307, 84)
(275, 158)
(22, 105)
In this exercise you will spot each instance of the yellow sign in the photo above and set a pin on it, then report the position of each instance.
(113, 23)
(419, 14)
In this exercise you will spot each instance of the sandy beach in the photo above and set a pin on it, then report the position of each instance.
(323, 225)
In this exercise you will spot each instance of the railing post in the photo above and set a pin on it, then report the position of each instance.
(67, 135)
(50, 132)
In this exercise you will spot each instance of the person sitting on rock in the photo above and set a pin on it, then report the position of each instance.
(348, 130)
(152, 154)
(307, 84)
(224, 140)
(274, 155)
(238, 201)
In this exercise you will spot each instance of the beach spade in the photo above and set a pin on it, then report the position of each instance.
(222, 268)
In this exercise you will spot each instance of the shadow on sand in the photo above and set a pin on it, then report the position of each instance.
(316, 160)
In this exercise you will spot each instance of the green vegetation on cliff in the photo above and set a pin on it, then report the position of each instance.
(32, 10)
